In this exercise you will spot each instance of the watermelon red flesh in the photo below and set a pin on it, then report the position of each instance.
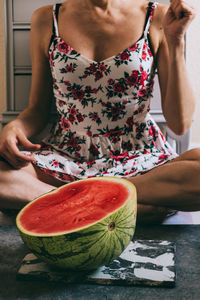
(73, 206)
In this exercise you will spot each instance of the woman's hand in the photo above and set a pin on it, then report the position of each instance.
(149, 214)
(177, 19)
(11, 138)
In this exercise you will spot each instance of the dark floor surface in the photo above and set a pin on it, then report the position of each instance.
(187, 238)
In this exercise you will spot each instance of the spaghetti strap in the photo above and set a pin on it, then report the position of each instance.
(102, 125)
(55, 19)
(150, 11)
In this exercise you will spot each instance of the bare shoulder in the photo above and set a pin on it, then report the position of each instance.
(42, 16)
(41, 25)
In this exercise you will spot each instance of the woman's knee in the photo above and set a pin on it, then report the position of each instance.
(194, 154)
(190, 155)
(6, 168)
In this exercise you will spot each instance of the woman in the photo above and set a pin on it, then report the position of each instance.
(99, 58)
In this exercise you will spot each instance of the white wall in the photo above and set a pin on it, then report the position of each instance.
(193, 67)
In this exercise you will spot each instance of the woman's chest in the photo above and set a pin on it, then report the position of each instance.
(101, 40)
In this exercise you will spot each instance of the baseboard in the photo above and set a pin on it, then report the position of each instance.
(194, 145)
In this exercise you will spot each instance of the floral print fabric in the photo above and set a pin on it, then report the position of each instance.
(103, 125)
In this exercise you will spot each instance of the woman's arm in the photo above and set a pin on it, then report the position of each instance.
(34, 118)
(178, 101)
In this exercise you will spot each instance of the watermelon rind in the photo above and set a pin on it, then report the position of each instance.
(93, 245)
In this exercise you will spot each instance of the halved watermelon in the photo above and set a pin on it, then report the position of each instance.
(84, 224)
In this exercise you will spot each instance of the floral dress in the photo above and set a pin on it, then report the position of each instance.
(103, 126)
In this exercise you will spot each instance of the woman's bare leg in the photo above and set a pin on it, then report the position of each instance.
(175, 185)
(18, 187)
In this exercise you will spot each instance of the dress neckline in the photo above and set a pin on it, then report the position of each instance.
(144, 35)
(130, 48)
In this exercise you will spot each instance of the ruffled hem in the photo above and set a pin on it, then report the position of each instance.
(128, 164)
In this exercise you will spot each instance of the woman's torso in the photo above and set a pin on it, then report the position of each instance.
(103, 104)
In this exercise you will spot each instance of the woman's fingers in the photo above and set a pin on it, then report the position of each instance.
(14, 156)
(24, 142)
(148, 214)
(182, 8)
(13, 161)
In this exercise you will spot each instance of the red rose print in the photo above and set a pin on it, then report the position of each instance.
(61, 103)
(110, 81)
(163, 156)
(132, 80)
(66, 82)
(113, 133)
(119, 87)
(144, 55)
(145, 152)
(65, 123)
(89, 133)
(51, 58)
(88, 88)
(73, 142)
(162, 136)
(80, 118)
(55, 163)
(102, 68)
(144, 76)
(71, 118)
(90, 163)
(124, 56)
(134, 47)
(144, 46)
(92, 68)
(140, 109)
(127, 146)
(115, 139)
(72, 111)
(152, 131)
(129, 121)
(120, 156)
(133, 156)
(94, 116)
(98, 75)
(115, 111)
(63, 47)
(95, 91)
(70, 68)
(143, 91)
(78, 94)
(149, 52)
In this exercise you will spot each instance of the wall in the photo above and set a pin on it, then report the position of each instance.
(193, 66)
(2, 62)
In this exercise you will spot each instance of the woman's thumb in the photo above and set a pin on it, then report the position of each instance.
(28, 145)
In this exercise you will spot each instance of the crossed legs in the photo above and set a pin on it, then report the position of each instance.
(175, 185)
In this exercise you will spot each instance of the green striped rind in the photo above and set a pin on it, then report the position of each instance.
(90, 247)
